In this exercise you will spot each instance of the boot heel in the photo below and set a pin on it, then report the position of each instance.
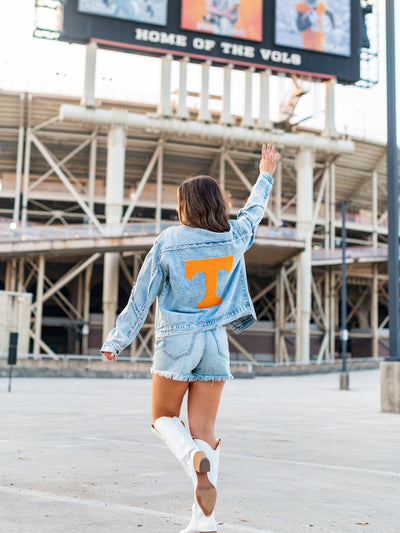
(201, 462)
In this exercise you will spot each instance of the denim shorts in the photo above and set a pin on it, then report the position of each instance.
(200, 356)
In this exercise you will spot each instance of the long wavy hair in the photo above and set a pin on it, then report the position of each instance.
(202, 204)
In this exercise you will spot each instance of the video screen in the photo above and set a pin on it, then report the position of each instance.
(241, 19)
(149, 11)
(322, 26)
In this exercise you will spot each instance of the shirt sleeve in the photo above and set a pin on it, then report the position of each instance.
(251, 214)
(148, 285)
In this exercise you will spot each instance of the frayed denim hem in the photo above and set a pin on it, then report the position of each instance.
(189, 377)
(205, 377)
(173, 375)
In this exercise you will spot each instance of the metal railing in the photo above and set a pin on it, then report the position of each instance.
(352, 253)
(9, 232)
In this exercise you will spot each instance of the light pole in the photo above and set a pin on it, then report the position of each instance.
(344, 334)
(390, 369)
(392, 186)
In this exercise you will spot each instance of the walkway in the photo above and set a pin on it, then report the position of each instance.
(299, 455)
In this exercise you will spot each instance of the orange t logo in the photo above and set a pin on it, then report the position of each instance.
(210, 268)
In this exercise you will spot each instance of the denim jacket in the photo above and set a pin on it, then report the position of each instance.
(198, 277)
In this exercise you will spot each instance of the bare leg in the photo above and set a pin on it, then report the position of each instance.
(167, 396)
(203, 403)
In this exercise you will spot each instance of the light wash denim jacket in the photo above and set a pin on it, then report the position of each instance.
(198, 276)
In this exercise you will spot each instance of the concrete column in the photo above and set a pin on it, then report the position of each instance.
(88, 99)
(11, 275)
(390, 386)
(375, 208)
(226, 115)
(328, 352)
(279, 316)
(264, 122)
(92, 173)
(332, 232)
(165, 108)
(330, 128)
(305, 164)
(277, 192)
(39, 305)
(86, 310)
(160, 167)
(333, 321)
(21, 275)
(222, 169)
(248, 121)
(183, 112)
(114, 199)
(327, 213)
(136, 268)
(204, 113)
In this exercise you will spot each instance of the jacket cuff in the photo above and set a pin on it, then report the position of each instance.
(268, 177)
(111, 347)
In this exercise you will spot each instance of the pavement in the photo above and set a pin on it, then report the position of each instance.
(298, 455)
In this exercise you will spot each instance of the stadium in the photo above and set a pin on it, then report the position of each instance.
(106, 107)
(87, 185)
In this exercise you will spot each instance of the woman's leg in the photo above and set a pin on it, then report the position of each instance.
(167, 400)
(167, 396)
(203, 403)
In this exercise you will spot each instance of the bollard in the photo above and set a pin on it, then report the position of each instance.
(12, 356)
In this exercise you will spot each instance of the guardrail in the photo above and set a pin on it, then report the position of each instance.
(9, 232)
(354, 252)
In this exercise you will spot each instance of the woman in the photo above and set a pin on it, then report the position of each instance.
(197, 273)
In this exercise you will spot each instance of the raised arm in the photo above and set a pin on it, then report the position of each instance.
(252, 213)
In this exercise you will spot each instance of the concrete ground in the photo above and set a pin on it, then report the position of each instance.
(299, 455)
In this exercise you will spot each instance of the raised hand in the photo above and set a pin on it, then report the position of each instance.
(268, 159)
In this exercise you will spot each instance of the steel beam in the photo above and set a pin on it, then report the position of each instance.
(20, 158)
(69, 276)
(142, 183)
(190, 128)
(45, 153)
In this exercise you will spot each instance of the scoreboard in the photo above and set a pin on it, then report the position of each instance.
(315, 38)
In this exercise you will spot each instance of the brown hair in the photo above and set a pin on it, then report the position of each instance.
(202, 204)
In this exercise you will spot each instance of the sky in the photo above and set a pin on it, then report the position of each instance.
(38, 65)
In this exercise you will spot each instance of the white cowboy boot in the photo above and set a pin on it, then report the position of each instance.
(200, 523)
(176, 436)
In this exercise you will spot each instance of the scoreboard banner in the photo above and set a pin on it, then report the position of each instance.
(314, 38)
(323, 28)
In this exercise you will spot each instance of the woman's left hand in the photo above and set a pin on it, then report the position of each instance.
(110, 356)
